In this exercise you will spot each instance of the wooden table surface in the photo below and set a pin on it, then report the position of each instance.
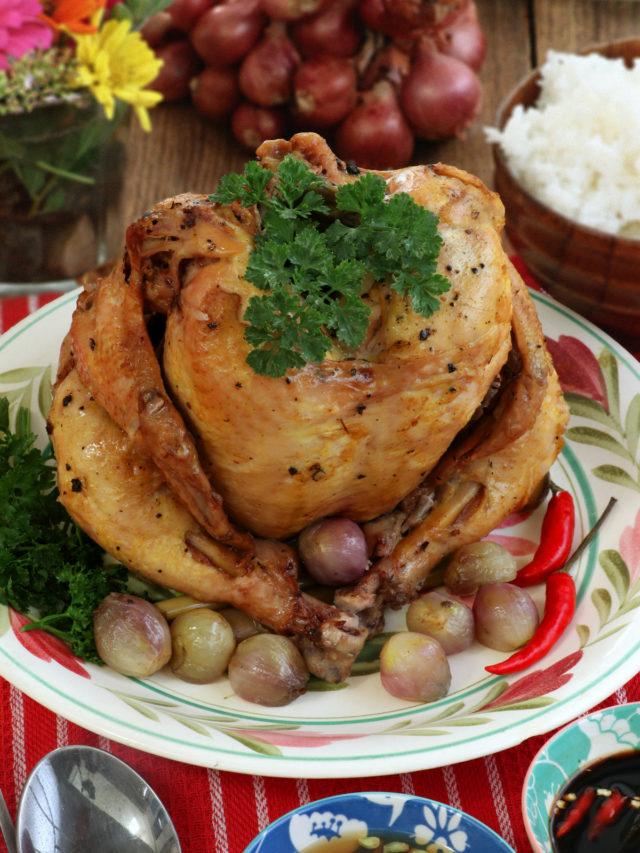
(185, 152)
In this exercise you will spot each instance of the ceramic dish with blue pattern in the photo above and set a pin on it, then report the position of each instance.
(339, 825)
(591, 739)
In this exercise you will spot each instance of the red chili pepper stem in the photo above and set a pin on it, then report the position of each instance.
(559, 607)
(556, 539)
(591, 534)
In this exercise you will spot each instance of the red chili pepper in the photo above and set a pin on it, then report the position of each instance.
(577, 811)
(556, 538)
(607, 813)
(559, 607)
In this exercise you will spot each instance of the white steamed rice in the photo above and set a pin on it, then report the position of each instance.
(578, 149)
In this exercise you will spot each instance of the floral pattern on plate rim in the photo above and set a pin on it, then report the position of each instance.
(601, 418)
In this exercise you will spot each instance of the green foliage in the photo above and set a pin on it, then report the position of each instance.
(312, 255)
(138, 11)
(48, 565)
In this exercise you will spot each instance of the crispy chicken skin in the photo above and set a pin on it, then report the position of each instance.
(188, 467)
(346, 437)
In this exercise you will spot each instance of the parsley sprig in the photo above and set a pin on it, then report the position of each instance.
(313, 252)
(48, 566)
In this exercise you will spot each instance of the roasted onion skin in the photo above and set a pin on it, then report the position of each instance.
(448, 621)
(268, 669)
(131, 635)
(414, 667)
(202, 644)
(506, 616)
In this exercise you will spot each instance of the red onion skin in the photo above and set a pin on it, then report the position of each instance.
(335, 30)
(225, 33)
(324, 90)
(406, 19)
(251, 124)
(266, 73)
(292, 10)
(158, 28)
(185, 13)
(391, 63)
(440, 96)
(464, 38)
(180, 64)
(334, 551)
(375, 134)
(215, 92)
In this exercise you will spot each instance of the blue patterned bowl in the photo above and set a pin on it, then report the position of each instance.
(588, 739)
(437, 827)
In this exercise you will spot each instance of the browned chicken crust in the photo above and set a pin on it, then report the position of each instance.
(189, 468)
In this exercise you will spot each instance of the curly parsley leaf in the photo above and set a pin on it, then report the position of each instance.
(48, 565)
(311, 263)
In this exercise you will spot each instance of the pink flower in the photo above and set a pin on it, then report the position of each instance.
(537, 683)
(21, 30)
(578, 369)
(630, 548)
(43, 645)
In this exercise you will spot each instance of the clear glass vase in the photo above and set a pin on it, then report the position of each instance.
(61, 168)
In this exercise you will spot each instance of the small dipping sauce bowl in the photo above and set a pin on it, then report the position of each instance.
(595, 273)
(601, 747)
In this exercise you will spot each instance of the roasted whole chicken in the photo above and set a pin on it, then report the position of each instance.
(197, 472)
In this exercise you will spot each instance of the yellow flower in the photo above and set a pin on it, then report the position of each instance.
(115, 63)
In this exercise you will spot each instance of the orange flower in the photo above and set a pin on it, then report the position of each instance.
(73, 15)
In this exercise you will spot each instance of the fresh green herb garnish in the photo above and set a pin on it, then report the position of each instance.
(311, 259)
(48, 565)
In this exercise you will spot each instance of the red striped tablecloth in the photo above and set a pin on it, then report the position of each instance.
(220, 812)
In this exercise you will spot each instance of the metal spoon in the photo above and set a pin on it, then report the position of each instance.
(79, 799)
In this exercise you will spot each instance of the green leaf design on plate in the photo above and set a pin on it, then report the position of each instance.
(609, 366)
(254, 744)
(629, 605)
(610, 633)
(470, 721)
(21, 375)
(616, 571)
(420, 732)
(190, 723)
(27, 378)
(585, 407)
(141, 708)
(158, 703)
(618, 476)
(598, 438)
(448, 712)
(583, 633)
(632, 425)
(45, 395)
(526, 704)
(602, 601)
(18, 398)
(494, 693)
(4, 619)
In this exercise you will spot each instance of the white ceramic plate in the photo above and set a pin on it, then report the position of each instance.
(360, 730)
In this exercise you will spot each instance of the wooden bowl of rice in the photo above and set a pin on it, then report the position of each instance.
(593, 268)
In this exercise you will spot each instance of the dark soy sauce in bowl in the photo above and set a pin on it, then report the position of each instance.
(603, 801)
